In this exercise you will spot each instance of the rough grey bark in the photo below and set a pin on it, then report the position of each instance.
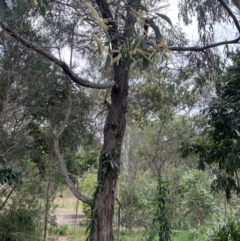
(113, 136)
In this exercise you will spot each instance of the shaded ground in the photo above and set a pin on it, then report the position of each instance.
(69, 218)
(66, 209)
(62, 239)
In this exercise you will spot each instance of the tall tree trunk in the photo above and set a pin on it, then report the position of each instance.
(101, 228)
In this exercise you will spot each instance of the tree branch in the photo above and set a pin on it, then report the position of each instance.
(74, 77)
(202, 48)
(64, 172)
(61, 161)
(230, 13)
(8, 196)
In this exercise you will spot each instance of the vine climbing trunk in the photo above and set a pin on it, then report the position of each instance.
(101, 228)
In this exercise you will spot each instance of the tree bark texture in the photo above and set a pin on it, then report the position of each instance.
(103, 208)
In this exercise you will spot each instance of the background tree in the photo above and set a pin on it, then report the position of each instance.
(218, 147)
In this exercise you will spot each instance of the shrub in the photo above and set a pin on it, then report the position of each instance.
(59, 230)
(19, 224)
(222, 229)
(226, 230)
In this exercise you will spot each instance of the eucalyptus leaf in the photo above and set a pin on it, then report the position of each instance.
(166, 18)
(144, 44)
(145, 63)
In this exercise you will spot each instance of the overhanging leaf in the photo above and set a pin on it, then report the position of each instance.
(123, 17)
(136, 42)
(18, 13)
(142, 7)
(88, 19)
(166, 18)
(145, 63)
(144, 44)
(107, 62)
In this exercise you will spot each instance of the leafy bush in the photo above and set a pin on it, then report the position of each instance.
(182, 236)
(19, 224)
(59, 229)
(222, 229)
(88, 188)
(8, 173)
(192, 202)
(226, 230)
(136, 198)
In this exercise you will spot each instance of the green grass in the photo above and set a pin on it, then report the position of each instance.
(181, 236)
(126, 235)
(79, 233)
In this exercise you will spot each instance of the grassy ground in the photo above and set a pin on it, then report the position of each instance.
(181, 236)
(66, 204)
(79, 233)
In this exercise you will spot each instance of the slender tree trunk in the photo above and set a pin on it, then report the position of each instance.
(103, 207)
(47, 207)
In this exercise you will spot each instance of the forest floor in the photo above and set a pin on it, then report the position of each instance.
(66, 205)
(69, 209)
(66, 217)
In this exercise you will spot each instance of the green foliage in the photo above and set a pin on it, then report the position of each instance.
(88, 188)
(20, 224)
(161, 225)
(108, 161)
(8, 173)
(221, 228)
(207, 12)
(226, 230)
(59, 229)
(195, 196)
(79, 163)
(182, 236)
(219, 143)
(191, 201)
(135, 47)
(136, 199)
(13, 10)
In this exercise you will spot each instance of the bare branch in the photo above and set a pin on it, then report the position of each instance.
(74, 77)
(230, 13)
(202, 48)
(8, 196)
